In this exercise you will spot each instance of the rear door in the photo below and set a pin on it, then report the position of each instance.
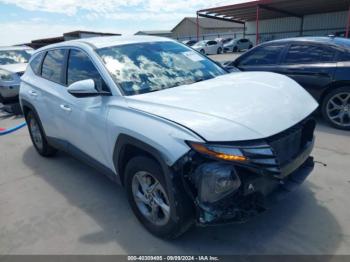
(263, 58)
(48, 92)
(311, 65)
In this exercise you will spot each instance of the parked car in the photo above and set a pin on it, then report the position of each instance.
(319, 64)
(190, 42)
(190, 142)
(226, 40)
(237, 45)
(13, 61)
(208, 47)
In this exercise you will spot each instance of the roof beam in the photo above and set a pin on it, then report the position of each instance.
(221, 18)
(266, 7)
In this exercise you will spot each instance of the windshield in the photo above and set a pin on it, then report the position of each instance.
(14, 56)
(147, 67)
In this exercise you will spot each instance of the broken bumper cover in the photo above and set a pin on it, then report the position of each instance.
(256, 195)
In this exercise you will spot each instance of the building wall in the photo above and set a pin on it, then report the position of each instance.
(314, 25)
(188, 30)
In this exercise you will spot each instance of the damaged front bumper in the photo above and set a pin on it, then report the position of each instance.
(225, 192)
(256, 195)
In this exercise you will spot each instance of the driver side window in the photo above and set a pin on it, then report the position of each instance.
(80, 68)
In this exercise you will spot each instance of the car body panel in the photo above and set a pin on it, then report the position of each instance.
(221, 109)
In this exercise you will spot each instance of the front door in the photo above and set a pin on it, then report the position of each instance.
(85, 117)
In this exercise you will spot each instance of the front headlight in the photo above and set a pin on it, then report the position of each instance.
(5, 75)
(221, 152)
(215, 181)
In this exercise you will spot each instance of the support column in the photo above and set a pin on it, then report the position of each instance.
(257, 24)
(197, 25)
(301, 32)
(348, 25)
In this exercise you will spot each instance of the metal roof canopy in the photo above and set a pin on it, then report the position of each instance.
(270, 9)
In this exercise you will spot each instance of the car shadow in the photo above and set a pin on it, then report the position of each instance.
(297, 225)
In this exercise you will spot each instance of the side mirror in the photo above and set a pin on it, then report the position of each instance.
(84, 88)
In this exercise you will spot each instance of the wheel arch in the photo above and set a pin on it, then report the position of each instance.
(26, 107)
(127, 147)
(331, 88)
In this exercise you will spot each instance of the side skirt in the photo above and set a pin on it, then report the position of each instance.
(80, 155)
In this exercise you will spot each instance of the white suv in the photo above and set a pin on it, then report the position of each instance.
(189, 142)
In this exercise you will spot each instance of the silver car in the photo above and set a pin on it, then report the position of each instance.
(13, 62)
(237, 45)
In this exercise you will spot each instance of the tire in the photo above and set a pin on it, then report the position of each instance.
(202, 51)
(219, 51)
(235, 49)
(336, 108)
(38, 136)
(250, 46)
(166, 225)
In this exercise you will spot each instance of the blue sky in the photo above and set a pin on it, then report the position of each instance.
(25, 20)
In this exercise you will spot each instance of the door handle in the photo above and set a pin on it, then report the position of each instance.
(66, 108)
(33, 93)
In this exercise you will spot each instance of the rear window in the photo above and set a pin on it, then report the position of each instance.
(36, 62)
(301, 53)
(53, 65)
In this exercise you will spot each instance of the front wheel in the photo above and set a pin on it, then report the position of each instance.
(149, 198)
(202, 51)
(336, 108)
(235, 49)
(219, 50)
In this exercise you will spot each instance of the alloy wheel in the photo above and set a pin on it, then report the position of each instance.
(36, 134)
(151, 198)
(338, 109)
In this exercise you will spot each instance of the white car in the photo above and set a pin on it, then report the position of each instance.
(191, 143)
(208, 47)
(13, 62)
(237, 45)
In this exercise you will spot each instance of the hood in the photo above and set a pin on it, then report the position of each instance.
(15, 68)
(232, 107)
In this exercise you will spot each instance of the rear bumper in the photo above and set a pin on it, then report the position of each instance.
(257, 195)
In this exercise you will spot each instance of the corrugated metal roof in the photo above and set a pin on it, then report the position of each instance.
(270, 9)
(208, 23)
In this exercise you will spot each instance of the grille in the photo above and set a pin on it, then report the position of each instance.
(279, 150)
(287, 147)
